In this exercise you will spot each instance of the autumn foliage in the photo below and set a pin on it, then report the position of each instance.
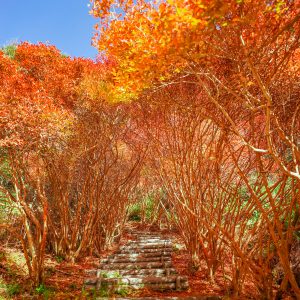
(209, 128)
(220, 83)
(67, 165)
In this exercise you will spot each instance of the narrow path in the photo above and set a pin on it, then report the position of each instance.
(144, 261)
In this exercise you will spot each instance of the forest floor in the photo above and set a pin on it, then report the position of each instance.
(64, 280)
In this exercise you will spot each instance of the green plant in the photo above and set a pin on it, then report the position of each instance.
(113, 274)
(44, 290)
(13, 289)
(59, 258)
(102, 292)
(84, 293)
(104, 275)
(134, 212)
(123, 291)
(40, 289)
(149, 206)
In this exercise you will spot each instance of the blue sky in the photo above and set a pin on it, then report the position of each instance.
(63, 23)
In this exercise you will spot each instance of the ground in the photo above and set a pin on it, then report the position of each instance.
(65, 280)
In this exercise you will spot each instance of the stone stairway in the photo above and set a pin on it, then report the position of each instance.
(143, 262)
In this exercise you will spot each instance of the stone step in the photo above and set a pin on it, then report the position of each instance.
(155, 272)
(151, 245)
(151, 240)
(149, 237)
(143, 262)
(139, 255)
(146, 246)
(178, 281)
(137, 266)
(156, 287)
(144, 250)
(141, 233)
(135, 259)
